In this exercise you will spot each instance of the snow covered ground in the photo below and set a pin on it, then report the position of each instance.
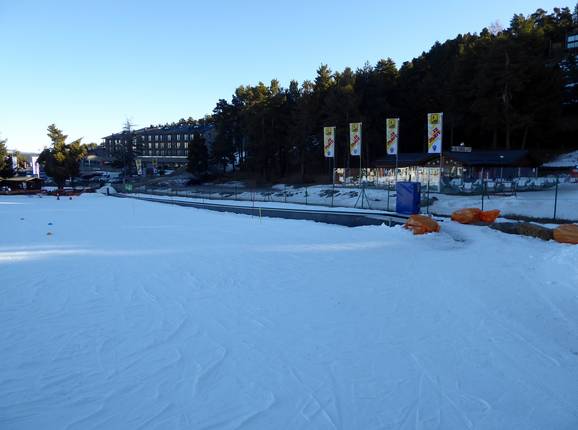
(137, 315)
(538, 204)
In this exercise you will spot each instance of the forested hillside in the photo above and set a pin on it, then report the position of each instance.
(500, 88)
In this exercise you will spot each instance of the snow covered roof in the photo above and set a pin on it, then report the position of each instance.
(21, 179)
(568, 160)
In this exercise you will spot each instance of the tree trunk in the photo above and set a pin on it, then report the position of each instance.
(506, 96)
(525, 137)
(302, 160)
(495, 138)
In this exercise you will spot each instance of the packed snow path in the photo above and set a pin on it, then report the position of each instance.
(137, 315)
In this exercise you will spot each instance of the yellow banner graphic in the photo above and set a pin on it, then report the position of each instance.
(355, 138)
(329, 142)
(392, 134)
(434, 132)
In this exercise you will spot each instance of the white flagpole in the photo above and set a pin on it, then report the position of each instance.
(397, 153)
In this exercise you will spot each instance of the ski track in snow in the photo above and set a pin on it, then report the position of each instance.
(134, 315)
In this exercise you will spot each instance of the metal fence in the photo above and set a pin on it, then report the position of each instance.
(547, 199)
(382, 198)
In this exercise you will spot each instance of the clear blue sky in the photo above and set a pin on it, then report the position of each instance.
(88, 66)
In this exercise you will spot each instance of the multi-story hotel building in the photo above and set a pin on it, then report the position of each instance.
(160, 146)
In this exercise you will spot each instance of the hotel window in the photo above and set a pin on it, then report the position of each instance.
(150, 137)
(156, 137)
(169, 137)
(178, 137)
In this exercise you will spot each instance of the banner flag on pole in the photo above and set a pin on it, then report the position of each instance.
(434, 132)
(138, 166)
(392, 135)
(329, 142)
(355, 138)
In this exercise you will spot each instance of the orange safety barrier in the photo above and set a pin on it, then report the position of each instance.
(489, 216)
(566, 233)
(467, 215)
(420, 224)
(474, 215)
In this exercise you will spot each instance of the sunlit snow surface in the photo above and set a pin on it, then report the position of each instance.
(137, 315)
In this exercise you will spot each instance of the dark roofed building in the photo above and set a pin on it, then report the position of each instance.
(21, 184)
(425, 168)
(405, 160)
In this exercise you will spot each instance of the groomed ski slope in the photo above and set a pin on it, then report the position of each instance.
(136, 315)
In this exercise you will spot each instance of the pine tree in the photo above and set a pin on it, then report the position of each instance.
(198, 155)
(223, 151)
(61, 161)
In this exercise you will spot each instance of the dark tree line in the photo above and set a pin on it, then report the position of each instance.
(501, 88)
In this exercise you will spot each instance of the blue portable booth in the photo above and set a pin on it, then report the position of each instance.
(408, 198)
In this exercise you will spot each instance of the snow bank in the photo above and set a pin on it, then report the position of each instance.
(108, 188)
(140, 315)
(569, 159)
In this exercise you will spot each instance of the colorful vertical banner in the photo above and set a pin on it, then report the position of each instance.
(434, 132)
(392, 134)
(355, 138)
(329, 142)
(35, 167)
(138, 163)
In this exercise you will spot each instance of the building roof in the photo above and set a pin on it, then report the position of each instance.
(502, 158)
(22, 179)
(511, 158)
(162, 129)
(405, 160)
